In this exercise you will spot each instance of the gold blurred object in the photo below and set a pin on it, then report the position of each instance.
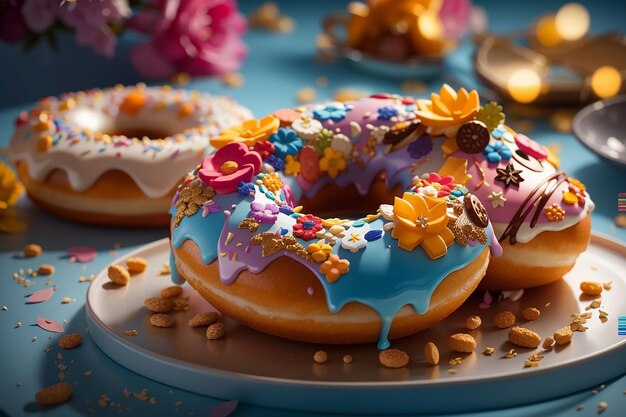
(561, 64)
(268, 17)
(397, 29)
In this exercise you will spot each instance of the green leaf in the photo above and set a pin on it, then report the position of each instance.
(51, 37)
(32, 40)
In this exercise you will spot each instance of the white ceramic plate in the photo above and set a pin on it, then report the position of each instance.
(269, 371)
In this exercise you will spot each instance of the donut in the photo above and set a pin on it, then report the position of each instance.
(115, 156)
(357, 269)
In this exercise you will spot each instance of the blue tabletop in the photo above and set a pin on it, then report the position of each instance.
(277, 66)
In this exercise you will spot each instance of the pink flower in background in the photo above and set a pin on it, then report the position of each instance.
(13, 28)
(92, 19)
(40, 14)
(455, 16)
(200, 37)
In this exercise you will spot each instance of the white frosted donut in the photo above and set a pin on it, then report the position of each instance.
(114, 156)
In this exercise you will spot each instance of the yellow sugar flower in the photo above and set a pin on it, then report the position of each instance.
(249, 132)
(273, 182)
(292, 167)
(449, 107)
(10, 187)
(332, 162)
(319, 251)
(422, 222)
(10, 192)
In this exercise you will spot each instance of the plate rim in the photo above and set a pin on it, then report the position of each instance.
(598, 238)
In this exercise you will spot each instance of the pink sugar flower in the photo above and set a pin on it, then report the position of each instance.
(200, 37)
(229, 166)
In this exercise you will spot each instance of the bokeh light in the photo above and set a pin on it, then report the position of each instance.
(430, 25)
(524, 85)
(546, 32)
(572, 21)
(606, 81)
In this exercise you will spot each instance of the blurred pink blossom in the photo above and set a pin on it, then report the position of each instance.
(39, 14)
(200, 37)
(13, 28)
(92, 19)
(455, 16)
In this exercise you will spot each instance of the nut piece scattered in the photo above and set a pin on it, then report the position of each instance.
(462, 342)
(70, 340)
(32, 250)
(320, 357)
(161, 320)
(591, 288)
(489, 351)
(159, 305)
(547, 344)
(118, 275)
(393, 358)
(215, 331)
(473, 322)
(136, 265)
(347, 359)
(203, 319)
(531, 314)
(45, 269)
(432, 353)
(523, 337)
(504, 319)
(54, 394)
(171, 292)
(563, 335)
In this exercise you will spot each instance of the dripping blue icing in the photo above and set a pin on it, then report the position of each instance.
(415, 276)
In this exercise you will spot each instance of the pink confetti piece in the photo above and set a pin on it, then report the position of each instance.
(49, 325)
(487, 300)
(224, 409)
(40, 296)
(82, 254)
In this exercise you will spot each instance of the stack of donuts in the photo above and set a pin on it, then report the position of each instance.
(350, 222)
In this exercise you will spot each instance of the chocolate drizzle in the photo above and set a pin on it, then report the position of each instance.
(536, 200)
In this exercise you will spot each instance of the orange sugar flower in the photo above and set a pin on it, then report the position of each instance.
(422, 222)
(449, 107)
(249, 132)
(334, 267)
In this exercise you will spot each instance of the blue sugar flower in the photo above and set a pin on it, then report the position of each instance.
(386, 113)
(276, 162)
(420, 147)
(496, 152)
(332, 111)
(286, 142)
(501, 133)
(245, 188)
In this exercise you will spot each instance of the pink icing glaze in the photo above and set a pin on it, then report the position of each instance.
(248, 165)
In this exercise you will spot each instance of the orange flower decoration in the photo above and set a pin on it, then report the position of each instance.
(249, 132)
(334, 267)
(422, 222)
(448, 107)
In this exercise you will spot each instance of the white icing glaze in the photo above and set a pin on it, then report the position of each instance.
(156, 166)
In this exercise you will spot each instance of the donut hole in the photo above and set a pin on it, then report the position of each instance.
(144, 124)
(335, 201)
